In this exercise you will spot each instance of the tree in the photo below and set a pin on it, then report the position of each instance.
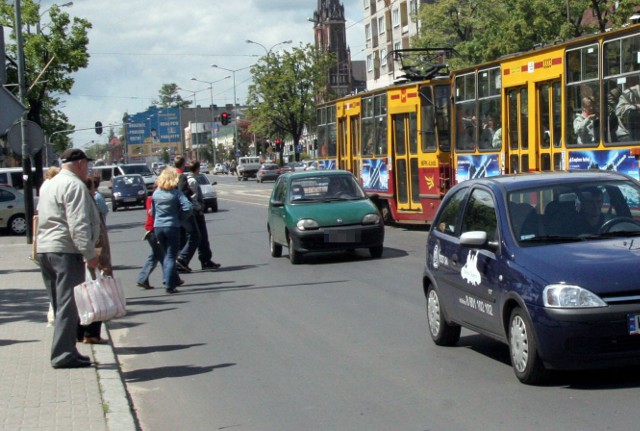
(168, 97)
(52, 53)
(481, 33)
(281, 99)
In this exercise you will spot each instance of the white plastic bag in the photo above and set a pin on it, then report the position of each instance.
(100, 299)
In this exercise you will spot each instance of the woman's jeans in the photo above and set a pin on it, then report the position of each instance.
(169, 240)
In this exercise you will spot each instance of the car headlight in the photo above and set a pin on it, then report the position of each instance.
(568, 296)
(307, 224)
(116, 195)
(371, 219)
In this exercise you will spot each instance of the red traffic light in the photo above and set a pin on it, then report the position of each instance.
(224, 118)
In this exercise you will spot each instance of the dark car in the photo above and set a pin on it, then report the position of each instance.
(128, 191)
(546, 263)
(268, 172)
(322, 211)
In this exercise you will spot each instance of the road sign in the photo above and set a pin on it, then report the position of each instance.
(11, 110)
(34, 138)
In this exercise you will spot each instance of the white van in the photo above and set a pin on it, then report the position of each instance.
(106, 173)
(13, 177)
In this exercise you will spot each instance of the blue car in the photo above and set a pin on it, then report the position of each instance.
(128, 191)
(547, 263)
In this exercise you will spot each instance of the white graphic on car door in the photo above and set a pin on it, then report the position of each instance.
(469, 271)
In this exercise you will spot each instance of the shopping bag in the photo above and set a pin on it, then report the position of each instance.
(100, 299)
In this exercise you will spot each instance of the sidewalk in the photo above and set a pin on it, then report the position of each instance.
(34, 396)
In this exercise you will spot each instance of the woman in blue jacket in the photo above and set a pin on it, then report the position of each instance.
(169, 207)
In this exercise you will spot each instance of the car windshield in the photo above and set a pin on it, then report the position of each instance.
(325, 188)
(591, 210)
(136, 169)
(202, 179)
(127, 181)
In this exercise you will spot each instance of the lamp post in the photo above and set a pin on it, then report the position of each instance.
(211, 109)
(38, 29)
(235, 105)
(195, 120)
(268, 51)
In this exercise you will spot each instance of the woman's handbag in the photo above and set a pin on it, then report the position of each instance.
(100, 299)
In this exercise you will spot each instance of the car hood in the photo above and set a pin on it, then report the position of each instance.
(602, 266)
(328, 213)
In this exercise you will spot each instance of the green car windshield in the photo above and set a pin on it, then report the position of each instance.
(325, 187)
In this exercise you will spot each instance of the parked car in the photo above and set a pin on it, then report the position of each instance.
(208, 193)
(128, 191)
(296, 166)
(544, 263)
(322, 211)
(310, 165)
(268, 172)
(204, 168)
(12, 210)
(220, 168)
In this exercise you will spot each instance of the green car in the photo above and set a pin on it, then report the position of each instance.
(317, 211)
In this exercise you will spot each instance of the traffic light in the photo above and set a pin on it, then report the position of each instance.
(224, 118)
(278, 145)
(98, 127)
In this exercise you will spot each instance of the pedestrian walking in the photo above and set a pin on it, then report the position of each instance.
(157, 253)
(90, 334)
(197, 200)
(68, 229)
(189, 232)
(169, 208)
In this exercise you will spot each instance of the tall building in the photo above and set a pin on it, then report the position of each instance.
(389, 26)
(330, 35)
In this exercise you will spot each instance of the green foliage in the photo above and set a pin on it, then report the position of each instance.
(281, 98)
(168, 97)
(482, 31)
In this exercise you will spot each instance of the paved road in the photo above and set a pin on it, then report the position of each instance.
(338, 343)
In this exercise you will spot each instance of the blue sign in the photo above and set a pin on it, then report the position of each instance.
(154, 126)
(607, 160)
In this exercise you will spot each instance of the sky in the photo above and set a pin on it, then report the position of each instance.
(136, 46)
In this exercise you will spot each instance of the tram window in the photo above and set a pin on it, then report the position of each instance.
(490, 114)
(466, 112)
(557, 162)
(427, 119)
(543, 102)
(610, 119)
(545, 162)
(443, 95)
(556, 106)
(401, 177)
(514, 164)
(584, 115)
(415, 180)
(630, 51)
(513, 120)
(399, 135)
(524, 163)
(413, 133)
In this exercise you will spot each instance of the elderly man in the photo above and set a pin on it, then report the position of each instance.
(68, 228)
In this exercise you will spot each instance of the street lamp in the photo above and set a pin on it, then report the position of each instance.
(235, 105)
(195, 119)
(38, 29)
(268, 51)
(211, 108)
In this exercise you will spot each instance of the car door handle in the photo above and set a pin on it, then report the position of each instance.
(454, 260)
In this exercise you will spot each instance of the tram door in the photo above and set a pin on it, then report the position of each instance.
(354, 141)
(517, 158)
(549, 126)
(405, 150)
(343, 152)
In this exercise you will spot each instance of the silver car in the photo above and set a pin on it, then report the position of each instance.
(208, 193)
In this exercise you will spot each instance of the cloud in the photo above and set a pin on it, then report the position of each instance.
(136, 46)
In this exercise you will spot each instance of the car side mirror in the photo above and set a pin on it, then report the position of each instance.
(277, 204)
(476, 238)
(214, 183)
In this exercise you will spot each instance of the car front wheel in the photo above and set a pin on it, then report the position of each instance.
(294, 256)
(18, 224)
(275, 248)
(526, 363)
(442, 333)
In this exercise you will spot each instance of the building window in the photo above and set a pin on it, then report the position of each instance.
(381, 25)
(395, 18)
(383, 57)
(367, 31)
(397, 46)
(369, 62)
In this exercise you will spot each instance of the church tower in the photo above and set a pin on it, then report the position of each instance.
(330, 35)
